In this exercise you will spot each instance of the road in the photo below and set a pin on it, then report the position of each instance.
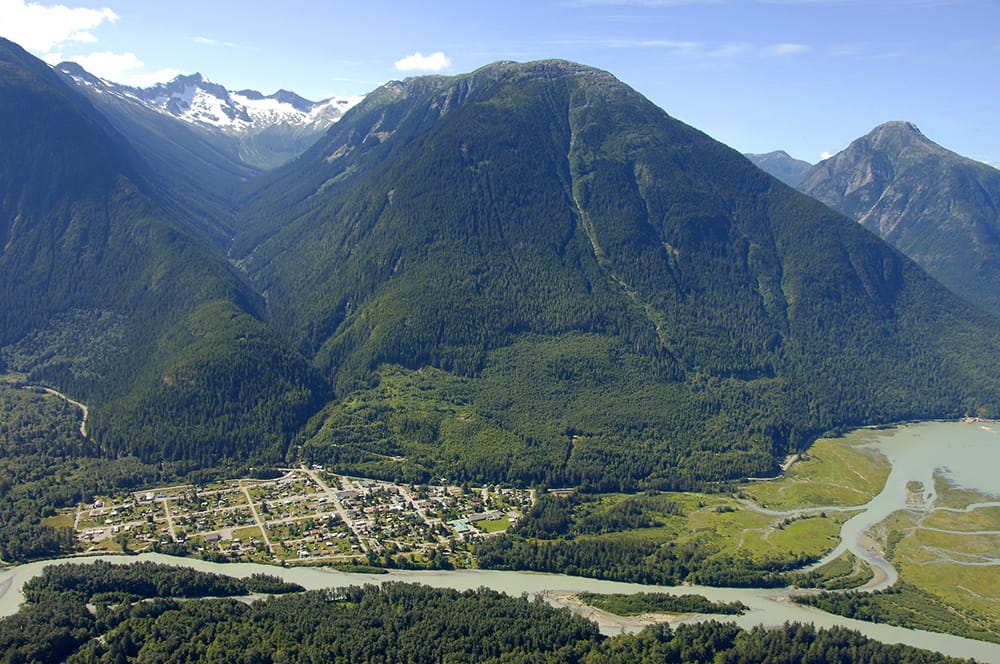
(331, 495)
(256, 518)
(82, 407)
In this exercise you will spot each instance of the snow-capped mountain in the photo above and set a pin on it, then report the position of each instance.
(197, 100)
(268, 130)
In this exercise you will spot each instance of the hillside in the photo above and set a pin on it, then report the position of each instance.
(531, 273)
(121, 304)
(937, 207)
(525, 274)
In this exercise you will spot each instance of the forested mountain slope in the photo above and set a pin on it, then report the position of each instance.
(111, 299)
(937, 207)
(197, 172)
(611, 297)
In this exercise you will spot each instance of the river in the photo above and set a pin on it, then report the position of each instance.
(966, 453)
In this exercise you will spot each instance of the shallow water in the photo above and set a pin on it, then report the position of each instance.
(965, 453)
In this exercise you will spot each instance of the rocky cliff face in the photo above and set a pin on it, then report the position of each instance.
(937, 207)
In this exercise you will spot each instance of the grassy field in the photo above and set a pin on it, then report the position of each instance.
(494, 526)
(63, 520)
(945, 553)
(834, 471)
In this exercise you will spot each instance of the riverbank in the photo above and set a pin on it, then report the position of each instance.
(609, 623)
(769, 608)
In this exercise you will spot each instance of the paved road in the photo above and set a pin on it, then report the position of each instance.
(331, 495)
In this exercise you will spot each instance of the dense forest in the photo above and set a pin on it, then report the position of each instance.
(527, 275)
(389, 623)
(905, 605)
(532, 274)
(110, 583)
(113, 294)
(639, 603)
(46, 465)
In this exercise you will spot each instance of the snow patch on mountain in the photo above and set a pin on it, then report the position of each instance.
(198, 101)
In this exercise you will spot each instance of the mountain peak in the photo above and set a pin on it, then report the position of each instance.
(295, 101)
(781, 165)
(546, 214)
(291, 122)
(897, 125)
(900, 140)
(896, 129)
(190, 78)
(934, 205)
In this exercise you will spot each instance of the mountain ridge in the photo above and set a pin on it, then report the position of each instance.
(781, 165)
(263, 130)
(128, 306)
(525, 274)
(938, 207)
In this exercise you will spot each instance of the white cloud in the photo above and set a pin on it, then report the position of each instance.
(788, 49)
(123, 68)
(420, 62)
(213, 42)
(694, 49)
(825, 156)
(42, 28)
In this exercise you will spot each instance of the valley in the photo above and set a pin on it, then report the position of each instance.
(828, 460)
(517, 325)
(930, 546)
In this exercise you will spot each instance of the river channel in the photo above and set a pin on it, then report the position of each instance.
(966, 453)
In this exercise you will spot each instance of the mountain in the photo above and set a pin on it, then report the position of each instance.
(198, 171)
(109, 296)
(781, 165)
(532, 273)
(257, 131)
(528, 273)
(937, 207)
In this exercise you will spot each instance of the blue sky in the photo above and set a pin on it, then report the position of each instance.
(807, 76)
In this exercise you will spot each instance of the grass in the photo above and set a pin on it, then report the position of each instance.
(736, 529)
(813, 536)
(837, 472)
(981, 518)
(950, 495)
(728, 526)
(844, 571)
(965, 597)
(494, 526)
(834, 471)
(244, 534)
(63, 520)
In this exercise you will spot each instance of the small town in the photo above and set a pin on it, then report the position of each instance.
(307, 515)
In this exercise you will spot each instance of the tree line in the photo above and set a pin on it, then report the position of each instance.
(392, 623)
